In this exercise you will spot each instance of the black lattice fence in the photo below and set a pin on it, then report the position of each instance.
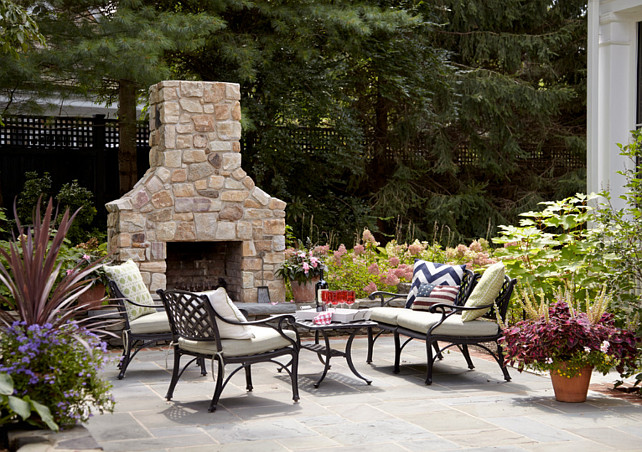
(85, 149)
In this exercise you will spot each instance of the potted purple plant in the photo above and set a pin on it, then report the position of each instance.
(569, 342)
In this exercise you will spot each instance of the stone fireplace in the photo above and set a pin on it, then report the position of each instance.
(196, 220)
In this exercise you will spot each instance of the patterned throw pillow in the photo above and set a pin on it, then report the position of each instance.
(226, 308)
(430, 273)
(130, 283)
(485, 292)
(430, 294)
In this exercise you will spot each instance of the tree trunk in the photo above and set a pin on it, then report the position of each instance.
(127, 171)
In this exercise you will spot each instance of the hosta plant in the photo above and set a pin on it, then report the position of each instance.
(566, 333)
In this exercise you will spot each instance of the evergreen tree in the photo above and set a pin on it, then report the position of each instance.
(361, 69)
(105, 50)
(513, 120)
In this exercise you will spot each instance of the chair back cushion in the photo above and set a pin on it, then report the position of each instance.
(225, 307)
(425, 272)
(430, 294)
(130, 283)
(485, 292)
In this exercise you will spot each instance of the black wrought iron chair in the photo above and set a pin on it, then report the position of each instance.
(196, 327)
(142, 332)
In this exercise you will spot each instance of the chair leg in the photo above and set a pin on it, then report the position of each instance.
(201, 362)
(430, 361)
(248, 377)
(219, 384)
(464, 350)
(502, 365)
(397, 341)
(124, 360)
(175, 374)
(294, 375)
(370, 345)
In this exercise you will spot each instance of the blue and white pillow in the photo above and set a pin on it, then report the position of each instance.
(430, 273)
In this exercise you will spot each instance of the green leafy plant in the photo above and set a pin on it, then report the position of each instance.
(72, 196)
(567, 333)
(555, 244)
(14, 408)
(620, 233)
(34, 192)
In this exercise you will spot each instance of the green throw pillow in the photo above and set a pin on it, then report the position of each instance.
(485, 292)
(130, 283)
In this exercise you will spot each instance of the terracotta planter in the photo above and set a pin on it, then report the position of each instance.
(94, 296)
(572, 389)
(304, 293)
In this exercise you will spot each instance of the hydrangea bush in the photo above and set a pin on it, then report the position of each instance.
(369, 267)
(51, 365)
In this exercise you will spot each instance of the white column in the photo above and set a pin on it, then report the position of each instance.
(617, 61)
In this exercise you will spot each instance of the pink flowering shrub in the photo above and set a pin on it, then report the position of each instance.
(368, 267)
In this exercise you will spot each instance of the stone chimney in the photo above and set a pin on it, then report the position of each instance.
(196, 220)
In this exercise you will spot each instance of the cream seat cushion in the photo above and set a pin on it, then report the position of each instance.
(264, 340)
(151, 323)
(385, 314)
(452, 326)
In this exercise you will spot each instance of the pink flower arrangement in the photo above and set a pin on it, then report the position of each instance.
(301, 265)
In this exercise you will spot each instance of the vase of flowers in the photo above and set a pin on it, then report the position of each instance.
(569, 340)
(302, 268)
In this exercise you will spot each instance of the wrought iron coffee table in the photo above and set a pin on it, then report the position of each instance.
(325, 352)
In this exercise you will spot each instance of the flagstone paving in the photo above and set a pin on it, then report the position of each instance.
(462, 410)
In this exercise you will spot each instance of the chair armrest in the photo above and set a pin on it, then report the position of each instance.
(127, 300)
(441, 307)
(276, 322)
(391, 296)
(454, 309)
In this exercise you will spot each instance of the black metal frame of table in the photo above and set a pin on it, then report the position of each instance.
(327, 352)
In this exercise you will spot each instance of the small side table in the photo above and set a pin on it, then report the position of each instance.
(325, 352)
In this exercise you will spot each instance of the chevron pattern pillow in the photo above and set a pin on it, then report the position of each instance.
(430, 273)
